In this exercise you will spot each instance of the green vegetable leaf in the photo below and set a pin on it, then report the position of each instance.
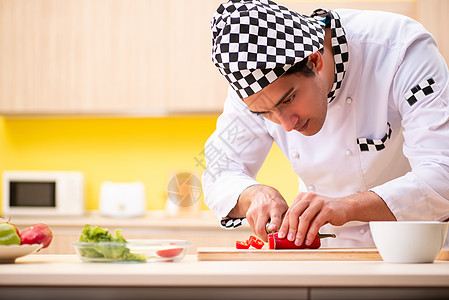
(106, 245)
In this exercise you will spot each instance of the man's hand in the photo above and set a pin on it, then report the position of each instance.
(310, 211)
(260, 204)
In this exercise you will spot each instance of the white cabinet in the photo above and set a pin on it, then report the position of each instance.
(143, 57)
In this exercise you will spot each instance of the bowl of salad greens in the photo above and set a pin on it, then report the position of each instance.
(97, 244)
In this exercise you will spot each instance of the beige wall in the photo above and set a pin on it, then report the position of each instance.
(434, 15)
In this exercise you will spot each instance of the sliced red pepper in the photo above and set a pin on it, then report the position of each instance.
(241, 245)
(277, 243)
(252, 241)
(255, 242)
(271, 242)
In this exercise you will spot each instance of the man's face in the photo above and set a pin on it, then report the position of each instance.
(294, 101)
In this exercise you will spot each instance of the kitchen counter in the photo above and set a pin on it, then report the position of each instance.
(201, 230)
(48, 275)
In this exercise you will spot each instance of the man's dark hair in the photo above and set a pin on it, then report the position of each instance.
(302, 68)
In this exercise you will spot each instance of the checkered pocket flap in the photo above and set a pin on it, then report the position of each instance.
(366, 144)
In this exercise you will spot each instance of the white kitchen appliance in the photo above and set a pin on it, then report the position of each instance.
(43, 193)
(122, 199)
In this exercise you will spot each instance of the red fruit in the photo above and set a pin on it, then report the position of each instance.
(37, 234)
(169, 252)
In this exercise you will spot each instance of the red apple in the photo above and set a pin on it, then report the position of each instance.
(37, 234)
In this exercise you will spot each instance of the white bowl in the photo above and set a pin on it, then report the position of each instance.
(409, 241)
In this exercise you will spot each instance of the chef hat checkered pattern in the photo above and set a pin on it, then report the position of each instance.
(339, 46)
(255, 42)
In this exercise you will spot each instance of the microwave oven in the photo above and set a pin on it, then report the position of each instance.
(39, 193)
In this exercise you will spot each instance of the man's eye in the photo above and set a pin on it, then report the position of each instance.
(289, 100)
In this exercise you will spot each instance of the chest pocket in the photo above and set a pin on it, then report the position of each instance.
(366, 144)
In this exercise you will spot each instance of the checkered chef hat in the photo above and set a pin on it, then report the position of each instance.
(255, 41)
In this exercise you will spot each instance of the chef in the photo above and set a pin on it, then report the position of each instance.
(358, 101)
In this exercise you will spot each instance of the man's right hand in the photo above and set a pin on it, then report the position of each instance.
(261, 204)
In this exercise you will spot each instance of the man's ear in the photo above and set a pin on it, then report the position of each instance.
(316, 61)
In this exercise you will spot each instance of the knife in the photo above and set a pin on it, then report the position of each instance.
(269, 231)
(444, 219)
(272, 242)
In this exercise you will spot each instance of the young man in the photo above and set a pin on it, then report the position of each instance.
(356, 100)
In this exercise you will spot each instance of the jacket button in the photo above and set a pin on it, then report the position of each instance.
(362, 231)
(348, 152)
(295, 155)
(349, 100)
(311, 188)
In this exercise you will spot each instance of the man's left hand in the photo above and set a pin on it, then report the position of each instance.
(310, 211)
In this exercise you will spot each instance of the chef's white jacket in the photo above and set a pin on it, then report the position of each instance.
(395, 80)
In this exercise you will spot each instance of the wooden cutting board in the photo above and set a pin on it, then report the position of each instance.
(340, 254)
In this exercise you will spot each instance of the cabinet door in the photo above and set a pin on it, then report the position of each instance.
(195, 84)
(106, 56)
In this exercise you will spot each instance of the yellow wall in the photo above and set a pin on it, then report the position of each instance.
(122, 150)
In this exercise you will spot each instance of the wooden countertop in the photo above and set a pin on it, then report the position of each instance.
(68, 270)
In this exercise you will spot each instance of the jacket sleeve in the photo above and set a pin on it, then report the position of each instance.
(421, 95)
(234, 155)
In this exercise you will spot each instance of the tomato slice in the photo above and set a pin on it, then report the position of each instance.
(241, 245)
(173, 252)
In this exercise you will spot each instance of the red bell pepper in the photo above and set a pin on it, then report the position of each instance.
(255, 242)
(241, 245)
(277, 243)
(252, 241)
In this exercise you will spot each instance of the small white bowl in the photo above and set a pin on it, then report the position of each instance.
(409, 241)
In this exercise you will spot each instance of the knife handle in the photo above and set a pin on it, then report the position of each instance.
(269, 231)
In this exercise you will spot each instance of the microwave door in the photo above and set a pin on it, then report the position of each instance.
(43, 193)
(32, 194)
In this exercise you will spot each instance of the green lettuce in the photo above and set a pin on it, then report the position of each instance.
(112, 247)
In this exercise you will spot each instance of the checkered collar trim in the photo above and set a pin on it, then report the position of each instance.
(255, 41)
(339, 46)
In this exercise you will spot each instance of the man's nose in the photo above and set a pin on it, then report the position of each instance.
(287, 121)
